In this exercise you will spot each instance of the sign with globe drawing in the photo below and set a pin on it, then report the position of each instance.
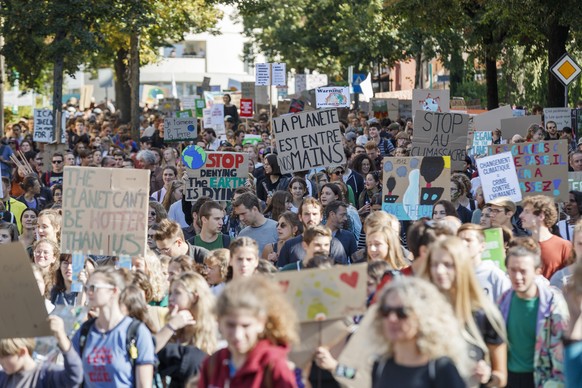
(213, 174)
(332, 97)
(180, 129)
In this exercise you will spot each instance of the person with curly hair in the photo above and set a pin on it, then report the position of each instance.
(259, 325)
(373, 185)
(424, 345)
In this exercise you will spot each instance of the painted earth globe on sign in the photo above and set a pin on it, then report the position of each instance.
(194, 157)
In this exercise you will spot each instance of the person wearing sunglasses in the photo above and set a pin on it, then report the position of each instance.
(552, 131)
(423, 339)
(55, 175)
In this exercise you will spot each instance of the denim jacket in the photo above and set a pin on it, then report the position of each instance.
(553, 317)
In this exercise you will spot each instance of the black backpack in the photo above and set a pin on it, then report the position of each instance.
(130, 342)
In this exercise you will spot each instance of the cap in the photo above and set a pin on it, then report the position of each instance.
(580, 142)
(394, 127)
(229, 119)
(505, 202)
(98, 111)
(373, 120)
(351, 136)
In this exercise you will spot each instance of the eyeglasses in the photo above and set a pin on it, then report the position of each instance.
(552, 127)
(401, 312)
(338, 172)
(496, 211)
(282, 225)
(167, 249)
(65, 263)
(91, 288)
(57, 161)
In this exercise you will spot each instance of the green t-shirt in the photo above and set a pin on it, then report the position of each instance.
(521, 332)
(216, 244)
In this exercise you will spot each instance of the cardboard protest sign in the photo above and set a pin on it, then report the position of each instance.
(283, 107)
(364, 346)
(405, 108)
(412, 185)
(431, 100)
(246, 108)
(385, 107)
(440, 134)
(542, 168)
(499, 177)
(561, 116)
(518, 125)
(323, 294)
(169, 105)
(43, 126)
(180, 129)
(332, 97)
(491, 120)
(105, 211)
(575, 181)
(23, 309)
(308, 140)
(315, 334)
(214, 174)
(481, 139)
(494, 247)
(262, 74)
(247, 90)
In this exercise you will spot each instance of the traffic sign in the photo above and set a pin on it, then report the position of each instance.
(566, 69)
(356, 81)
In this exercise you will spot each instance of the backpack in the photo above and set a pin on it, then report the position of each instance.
(130, 342)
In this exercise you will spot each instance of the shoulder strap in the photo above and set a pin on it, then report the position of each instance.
(85, 328)
(268, 377)
(225, 240)
(432, 371)
(131, 340)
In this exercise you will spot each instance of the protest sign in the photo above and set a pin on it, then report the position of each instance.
(577, 122)
(518, 125)
(184, 113)
(405, 108)
(499, 177)
(481, 139)
(332, 97)
(262, 74)
(23, 309)
(105, 211)
(491, 120)
(308, 140)
(575, 181)
(494, 247)
(78, 264)
(360, 352)
(207, 118)
(200, 105)
(248, 90)
(213, 174)
(188, 102)
(217, 114)
(180, 129)
(412, 185)
(125, 262)
(43, 125)
(283, 107)
(542, 168)
(431, 100)
(561, 116)
(385, 107)
(252, 139)
(279, 74)
(169, 105)
(295, 106)
(323, 294)
(440, 134)
(246, 108)
(315, 334)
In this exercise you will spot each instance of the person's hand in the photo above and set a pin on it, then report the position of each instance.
(82, 278)
(180, 319)
(325, 360)
(364, 209)
(273, 257)
(57, 327)
(482, 372)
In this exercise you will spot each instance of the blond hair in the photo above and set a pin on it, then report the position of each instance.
(55, 217)
(204, 333)
(395, 256)
(261, 297)
(220, 257)
(12, 346)
(153, 269)
(434, 315)
(466, 295)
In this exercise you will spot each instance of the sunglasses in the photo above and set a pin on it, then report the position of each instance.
(338, 172)
(57, 161)
(91, 288)
(401, 312)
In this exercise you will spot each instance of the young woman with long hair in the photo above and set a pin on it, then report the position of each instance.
(244, 257)
(288, 226)
(453, 273)
(173, 194)
(259, 325)
(46, 253)
(383, 244)
(298, 190)
(280, 202)
(48, 225)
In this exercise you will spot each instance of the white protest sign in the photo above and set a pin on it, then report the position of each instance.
(188, 102)
(279, 74)
(308, 140)
(561, 116)
(499, 177)
(432, 100)
(263, 74)
(180, 129)
(43, 125)
(105, 211)
(332, 97)
(207, 118)
(217, 118)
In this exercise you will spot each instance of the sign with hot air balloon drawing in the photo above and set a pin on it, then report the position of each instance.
(411, 186)
(441, 134)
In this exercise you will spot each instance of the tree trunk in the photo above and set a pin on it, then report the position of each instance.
(122, 89)
(418, 84)
(491, 80)
(134, 84)
(456, 69)
(58, 70)
(557, 38)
